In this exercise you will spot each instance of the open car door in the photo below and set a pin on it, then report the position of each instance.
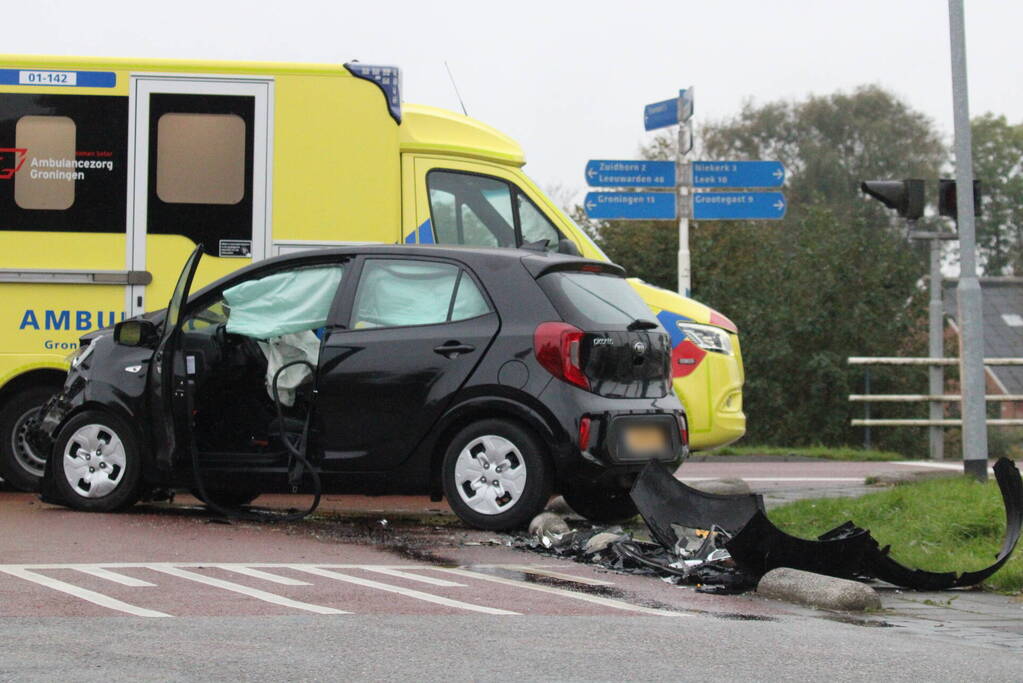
(168, 377)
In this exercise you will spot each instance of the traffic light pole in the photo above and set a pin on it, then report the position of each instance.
(971, 313)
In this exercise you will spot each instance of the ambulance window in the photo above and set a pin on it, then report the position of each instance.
(535, 226)
(47, 174)
(200, 158)
(471, 209)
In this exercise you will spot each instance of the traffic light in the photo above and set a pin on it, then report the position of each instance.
(947, 203)
(905, 196)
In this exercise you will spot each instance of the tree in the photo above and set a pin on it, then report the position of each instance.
(835, 278)
(998, 163)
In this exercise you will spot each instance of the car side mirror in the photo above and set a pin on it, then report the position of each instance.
(567, 246)
(136, 333)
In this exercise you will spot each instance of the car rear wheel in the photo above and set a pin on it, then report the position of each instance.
(22, 457)
(97, 465)
(496, 475)
(600, 504)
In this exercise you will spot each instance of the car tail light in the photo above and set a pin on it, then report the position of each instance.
(584, 433)
(683, 430)
(557, 347)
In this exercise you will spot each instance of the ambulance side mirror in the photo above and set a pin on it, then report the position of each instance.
(136, 333)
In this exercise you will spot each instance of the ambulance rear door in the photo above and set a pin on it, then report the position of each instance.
(201, 152)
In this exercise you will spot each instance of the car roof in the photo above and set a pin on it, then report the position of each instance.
(536, 262)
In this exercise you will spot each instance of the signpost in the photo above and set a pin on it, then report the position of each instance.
(683, 204)
(613, 173)
(717, 206)
(738, 174)
(631, 205)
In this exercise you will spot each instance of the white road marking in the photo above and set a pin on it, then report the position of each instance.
(595, 599)
(957, 466)
(407, 592)
(102, 573)
(414, 577)
(266, 576)
(83, 593)
(244, 590)
(539, 571)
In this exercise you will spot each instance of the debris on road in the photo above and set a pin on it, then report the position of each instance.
(726, 543)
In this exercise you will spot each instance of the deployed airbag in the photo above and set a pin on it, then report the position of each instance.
(282, 303)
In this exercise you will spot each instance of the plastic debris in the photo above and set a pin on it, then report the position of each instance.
(725, 543)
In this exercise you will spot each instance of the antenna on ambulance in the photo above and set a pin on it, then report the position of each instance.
(455, 86)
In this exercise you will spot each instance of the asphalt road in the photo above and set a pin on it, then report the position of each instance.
(395, 588)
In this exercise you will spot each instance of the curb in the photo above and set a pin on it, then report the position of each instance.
(817, 590)
(893, 478)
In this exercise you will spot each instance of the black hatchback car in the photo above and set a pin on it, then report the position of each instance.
(492, 376)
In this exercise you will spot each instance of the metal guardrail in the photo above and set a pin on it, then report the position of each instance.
(927, 398)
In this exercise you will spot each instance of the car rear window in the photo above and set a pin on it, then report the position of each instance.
(594, 300)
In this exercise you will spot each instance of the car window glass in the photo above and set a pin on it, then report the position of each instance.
(471, 209)
(208, 317)
(594, 301)
(394, 292)
(535, 226)
(469, 301)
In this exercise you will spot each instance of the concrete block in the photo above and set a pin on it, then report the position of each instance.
(817, 590)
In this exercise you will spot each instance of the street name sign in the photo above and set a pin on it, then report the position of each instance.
(636, 206)
(615, 173)
(661, 114)
(738, 174)
(711, 206)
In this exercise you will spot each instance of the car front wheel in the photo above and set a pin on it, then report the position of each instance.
(496, 475)
(97, 462)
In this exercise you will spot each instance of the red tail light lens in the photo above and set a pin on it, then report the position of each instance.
(683, 430)
(557, 348)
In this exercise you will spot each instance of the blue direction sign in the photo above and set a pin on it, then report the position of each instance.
(710, 206)
(738, 174)
(665, 113)
(631, 205)
(613, 173)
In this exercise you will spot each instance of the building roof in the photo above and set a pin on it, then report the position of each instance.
(1003, 324)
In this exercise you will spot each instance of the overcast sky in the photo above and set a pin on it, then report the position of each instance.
(568, 80)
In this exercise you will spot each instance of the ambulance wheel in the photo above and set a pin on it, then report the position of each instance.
(496, 475)
(22, 458)
(97, 465)
(600, 504)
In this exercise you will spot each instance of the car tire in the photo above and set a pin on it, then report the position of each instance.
(228, 497)
(21, 461)
(97, 463)
(600, 504)
(501, 451)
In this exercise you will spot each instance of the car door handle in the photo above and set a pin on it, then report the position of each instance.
(453, 349)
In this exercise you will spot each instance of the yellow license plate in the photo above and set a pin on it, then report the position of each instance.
(645, 438)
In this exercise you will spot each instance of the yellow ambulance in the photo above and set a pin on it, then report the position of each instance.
(112, 170)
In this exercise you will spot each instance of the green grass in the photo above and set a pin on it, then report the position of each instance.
(823, 452)
(939, 525)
